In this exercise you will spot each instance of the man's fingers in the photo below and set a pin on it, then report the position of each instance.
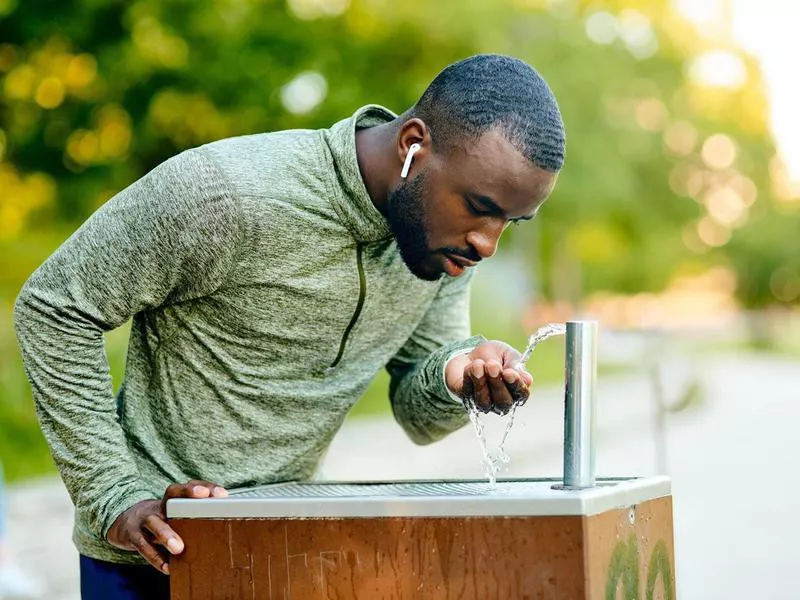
(525, 377)
(150, 552)
(493, 369)
(185, 490)
(144, 526)
(494, 387)
(511, 376)
(163, 534)
(206, 489)
(193, 489)
(516, 385)
(468, 389)
(501, 398)
(480, 395)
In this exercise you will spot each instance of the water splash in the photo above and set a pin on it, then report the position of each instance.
(493, 463)
(542, 334)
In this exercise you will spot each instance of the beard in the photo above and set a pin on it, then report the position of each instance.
(406, 217)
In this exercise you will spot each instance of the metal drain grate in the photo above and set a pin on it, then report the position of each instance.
(394, 489)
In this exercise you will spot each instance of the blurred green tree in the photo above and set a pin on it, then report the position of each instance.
(668, 147)
(663, 163)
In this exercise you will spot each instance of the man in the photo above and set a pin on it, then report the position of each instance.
(269, 278)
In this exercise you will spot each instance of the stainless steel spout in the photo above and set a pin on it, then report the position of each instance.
(580, 374)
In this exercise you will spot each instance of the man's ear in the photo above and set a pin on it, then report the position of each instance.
(413, 144)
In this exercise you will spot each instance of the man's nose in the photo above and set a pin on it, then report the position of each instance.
(485, 240)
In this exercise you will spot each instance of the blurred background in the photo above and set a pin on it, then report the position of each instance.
(675, 223)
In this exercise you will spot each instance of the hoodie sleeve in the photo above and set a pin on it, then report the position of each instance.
(421, 402)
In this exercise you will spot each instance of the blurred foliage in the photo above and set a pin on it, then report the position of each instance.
(664, 168)
(668, 171)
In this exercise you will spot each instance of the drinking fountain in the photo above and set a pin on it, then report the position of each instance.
(575, 537)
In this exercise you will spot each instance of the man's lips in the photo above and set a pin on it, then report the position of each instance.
(460, 260)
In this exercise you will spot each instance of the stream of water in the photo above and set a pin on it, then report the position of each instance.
(493, 462)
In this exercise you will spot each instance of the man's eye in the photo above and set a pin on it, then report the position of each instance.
(475, 210)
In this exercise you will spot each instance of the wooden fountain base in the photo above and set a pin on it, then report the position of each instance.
(619, 553)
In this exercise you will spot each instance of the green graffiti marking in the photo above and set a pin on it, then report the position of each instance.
(659, 565)
(624, 571)
(624, 568)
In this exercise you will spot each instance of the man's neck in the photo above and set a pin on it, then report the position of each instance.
(375, 152)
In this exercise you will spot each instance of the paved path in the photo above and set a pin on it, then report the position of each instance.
(40, 527)
(733, 460)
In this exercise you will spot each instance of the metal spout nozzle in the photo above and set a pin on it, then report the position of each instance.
(580, 374)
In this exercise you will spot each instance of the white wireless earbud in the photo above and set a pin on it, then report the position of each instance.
(409, 157)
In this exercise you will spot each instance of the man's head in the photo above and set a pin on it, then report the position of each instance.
(492, 142)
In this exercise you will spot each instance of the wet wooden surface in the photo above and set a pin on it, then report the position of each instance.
(539, 558)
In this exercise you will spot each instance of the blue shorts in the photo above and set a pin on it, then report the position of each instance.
(109, 581)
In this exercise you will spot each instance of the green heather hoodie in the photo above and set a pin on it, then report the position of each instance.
(266, 291)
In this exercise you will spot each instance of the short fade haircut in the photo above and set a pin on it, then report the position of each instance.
(487, 91)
